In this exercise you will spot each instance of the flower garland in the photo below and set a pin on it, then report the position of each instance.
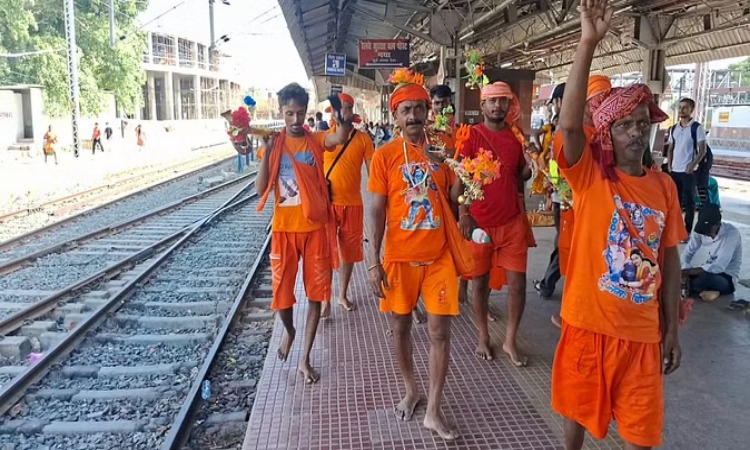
(475, 173)
(475, 70)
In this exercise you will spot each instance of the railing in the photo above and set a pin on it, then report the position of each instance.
(734, 144)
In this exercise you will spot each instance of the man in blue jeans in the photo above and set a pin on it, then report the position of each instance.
(724, 246)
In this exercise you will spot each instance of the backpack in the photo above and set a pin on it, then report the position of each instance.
(708, 161)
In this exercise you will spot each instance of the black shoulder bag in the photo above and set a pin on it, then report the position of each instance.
(335, 161)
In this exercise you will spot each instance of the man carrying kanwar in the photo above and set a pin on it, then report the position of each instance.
(500, 214)
(303, 224)
(412, 210)
(620, 311)
(343, 171)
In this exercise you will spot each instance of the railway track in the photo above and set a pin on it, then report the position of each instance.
(64, 208)
(735, 168)
(147, 335)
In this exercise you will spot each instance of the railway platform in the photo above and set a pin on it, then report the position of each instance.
(493, 405)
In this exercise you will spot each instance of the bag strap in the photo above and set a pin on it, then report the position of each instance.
(694, 134)
(341, 153)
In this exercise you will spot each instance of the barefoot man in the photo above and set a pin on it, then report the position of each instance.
(406, 209)
(621, 309)
(292, 167)
(500, 215)
(343, 169)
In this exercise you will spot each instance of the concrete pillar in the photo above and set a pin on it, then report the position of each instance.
(653, 55)
(178, 99)
(197, 96)
(151, 97)
(169, 95)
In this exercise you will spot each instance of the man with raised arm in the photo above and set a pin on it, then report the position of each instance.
(302, 226)
(410, 190)
(620, 310)
(500, 215)
(343, 170)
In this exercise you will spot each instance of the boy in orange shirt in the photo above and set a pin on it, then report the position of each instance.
(344, 171)
(292, 167)
(620, 311)
(407, 183)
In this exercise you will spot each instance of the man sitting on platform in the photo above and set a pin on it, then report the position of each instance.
(406, 185)
(292, 167)
(724, 245)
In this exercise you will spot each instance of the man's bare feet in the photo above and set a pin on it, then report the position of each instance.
(405, 409)
(556, 320)
(515, 358)
(311, 376)
(346, 304)
(418, 316)
(325, 310)
(484, 351)
(286, 345)
(436, 424)
(492, 315)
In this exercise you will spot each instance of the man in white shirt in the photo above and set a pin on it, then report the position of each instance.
(684, 155)
(724, 245)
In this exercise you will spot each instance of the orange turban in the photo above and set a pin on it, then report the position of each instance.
(408, 92)
(500, 89)
(597, 85)
(346, 98)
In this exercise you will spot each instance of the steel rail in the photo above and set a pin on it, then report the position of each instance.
(105, 187)
(6, 265)
(179, 433)
(14, 240)
(14, 321)
(13, 391)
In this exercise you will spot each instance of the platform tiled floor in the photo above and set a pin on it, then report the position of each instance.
(493, 404)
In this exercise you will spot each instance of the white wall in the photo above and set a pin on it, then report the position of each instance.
(739, 116)
(9, 117)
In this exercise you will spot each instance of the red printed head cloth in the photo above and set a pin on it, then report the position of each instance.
(607, 109)
(500, 89)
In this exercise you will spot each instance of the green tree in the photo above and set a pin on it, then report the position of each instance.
(741, 72)
(39, 25)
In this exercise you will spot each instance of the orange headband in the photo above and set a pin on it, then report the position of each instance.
(408, 92)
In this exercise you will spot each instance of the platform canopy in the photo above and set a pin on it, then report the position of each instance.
(526, 34)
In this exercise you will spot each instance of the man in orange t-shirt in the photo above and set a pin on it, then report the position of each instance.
(292, 167)
(96, 139)
(499, 214)
(409, 187)
(344, 171)
(621, 299)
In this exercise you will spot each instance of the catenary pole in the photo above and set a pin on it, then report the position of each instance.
(75, 102)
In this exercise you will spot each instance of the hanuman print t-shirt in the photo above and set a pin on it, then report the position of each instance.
(414, 218)
(288, 215)
(614, 268)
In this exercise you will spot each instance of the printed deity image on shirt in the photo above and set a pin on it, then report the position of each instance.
(288, 187)
(418, 185)
(632, 268)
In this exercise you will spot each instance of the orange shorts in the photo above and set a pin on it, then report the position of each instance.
(596, 378)
(508, 249)
(286, 250)
(350, 227)
(437, 283)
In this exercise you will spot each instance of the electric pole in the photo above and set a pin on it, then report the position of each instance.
(75, 103)
(112, 23)
(212, 28)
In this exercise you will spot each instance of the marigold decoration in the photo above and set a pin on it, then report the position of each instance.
(475, 173)
(475, 69)
(404, 76)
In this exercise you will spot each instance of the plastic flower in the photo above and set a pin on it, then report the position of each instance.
(239, 125)
(475, 69)
(475, 173)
